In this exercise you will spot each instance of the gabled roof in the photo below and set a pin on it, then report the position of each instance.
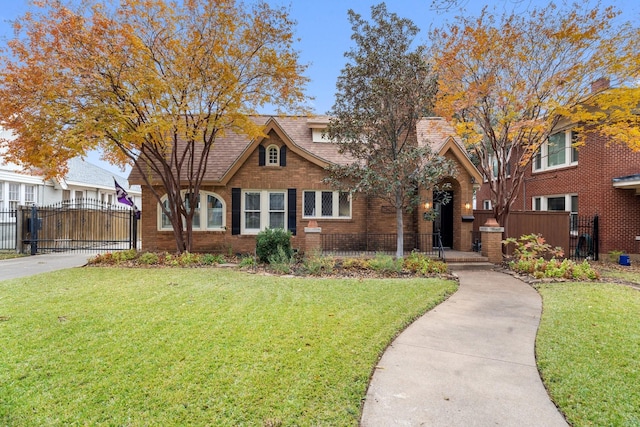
(232, 150)
(441, 135)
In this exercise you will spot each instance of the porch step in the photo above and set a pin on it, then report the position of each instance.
(458, 266)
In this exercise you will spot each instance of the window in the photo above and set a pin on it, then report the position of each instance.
(1, 195)
(263, 209)
(557, 152)
(273, 156)
(14, 196)
(215, 212)
(565, 202)
(327, 204)
(486, 205)
(30, 194)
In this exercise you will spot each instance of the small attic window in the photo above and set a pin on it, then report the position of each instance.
(273, 156)
(319, 135)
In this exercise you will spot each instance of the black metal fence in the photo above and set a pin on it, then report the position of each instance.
(77, 225)
(8, 230)
(584, 238)
(367, 243)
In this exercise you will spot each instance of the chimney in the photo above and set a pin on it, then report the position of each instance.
(599, 85)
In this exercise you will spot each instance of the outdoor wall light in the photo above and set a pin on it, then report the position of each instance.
(467, 206)
(427, 205)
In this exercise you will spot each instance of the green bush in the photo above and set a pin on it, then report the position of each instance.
(149, 258)
(270, 240)
(316, 264)
(210, 259)
(422, 264)
(247, 261)
(124, 256)
(531, 246)
(529, 258)
(614, 256)
(281, 261)
(355, 264)
(385, 264)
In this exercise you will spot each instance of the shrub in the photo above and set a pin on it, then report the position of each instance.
(355, 264)
(281, 261)
(386, 264)
(530, 246)
(124, 256)
(614, 256)
(247, 261)
(317, 264)
(149, 258)
(210, 259)
(270, 240)
(422, 264)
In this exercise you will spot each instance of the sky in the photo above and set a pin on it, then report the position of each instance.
(324, 32)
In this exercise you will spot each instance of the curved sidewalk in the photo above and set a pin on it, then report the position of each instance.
(468, 362)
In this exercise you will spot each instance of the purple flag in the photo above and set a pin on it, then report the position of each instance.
(125, 198)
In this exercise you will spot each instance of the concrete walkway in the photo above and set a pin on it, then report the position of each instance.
(36, 264)
(468, 362)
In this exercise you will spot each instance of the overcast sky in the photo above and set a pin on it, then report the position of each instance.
(325, 33)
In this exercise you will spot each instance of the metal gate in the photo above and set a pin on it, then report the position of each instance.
(584, 238)
(8, 230)
(83, 225)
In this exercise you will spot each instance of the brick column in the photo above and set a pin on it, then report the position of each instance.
(312, 240)
(492, 241)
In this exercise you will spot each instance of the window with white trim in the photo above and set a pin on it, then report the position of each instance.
(273, 155)
(561, 202)
(213, 212)
(486, 205)
(14, 196)
(1, 195)
(30, 195)
(326, 204)
(262, 209)
(557, 152)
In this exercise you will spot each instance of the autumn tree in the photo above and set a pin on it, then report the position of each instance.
(152, 83)
(382, 92)
(509, 81)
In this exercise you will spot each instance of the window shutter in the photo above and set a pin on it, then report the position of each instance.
(291, 211)
(261, 155)
(236, 198)
(283, 155)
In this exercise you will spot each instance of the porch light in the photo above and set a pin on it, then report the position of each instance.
(427, 205)
(467, 206)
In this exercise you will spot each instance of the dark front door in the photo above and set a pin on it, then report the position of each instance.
(443, 204)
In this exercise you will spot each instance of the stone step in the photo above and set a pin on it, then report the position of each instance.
(475, 265)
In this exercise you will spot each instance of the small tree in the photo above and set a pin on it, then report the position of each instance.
(151, 82)
(509, 81)
(381, 94)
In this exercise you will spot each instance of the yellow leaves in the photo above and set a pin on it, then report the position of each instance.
(143, 72)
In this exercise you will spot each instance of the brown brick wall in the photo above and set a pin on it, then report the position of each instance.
(368, 215)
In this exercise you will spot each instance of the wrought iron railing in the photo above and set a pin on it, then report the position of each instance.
(369, 243)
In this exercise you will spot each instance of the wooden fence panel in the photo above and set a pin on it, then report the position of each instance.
(553, 226)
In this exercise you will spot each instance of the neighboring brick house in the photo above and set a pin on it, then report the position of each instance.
(601, 178)
(277, 181)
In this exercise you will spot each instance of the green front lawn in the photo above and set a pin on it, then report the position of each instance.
(588, 351)
(141, 347)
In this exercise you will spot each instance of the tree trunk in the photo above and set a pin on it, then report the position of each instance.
(399, 227)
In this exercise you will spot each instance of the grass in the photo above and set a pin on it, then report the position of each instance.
(10, 255)
(108, 346)
(588, 349)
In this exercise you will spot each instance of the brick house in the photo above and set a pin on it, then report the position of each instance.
(277, 181)
(601, 178)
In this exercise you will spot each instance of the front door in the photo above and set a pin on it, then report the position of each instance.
(443, 205)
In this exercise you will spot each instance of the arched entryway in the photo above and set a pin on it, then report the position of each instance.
(443, 203)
